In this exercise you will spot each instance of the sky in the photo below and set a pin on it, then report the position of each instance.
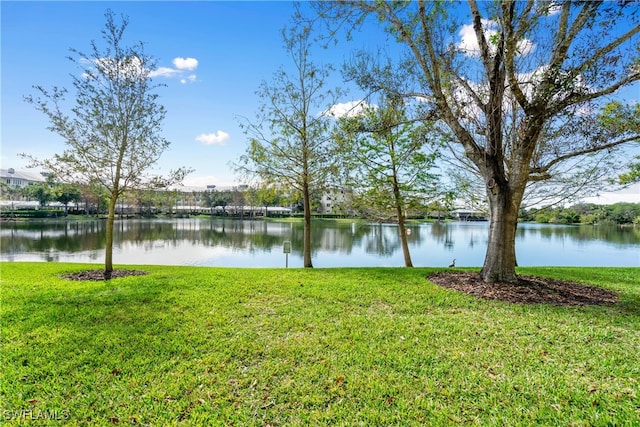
(212, 57)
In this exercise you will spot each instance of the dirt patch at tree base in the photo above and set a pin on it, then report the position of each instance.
(98, 275)
(527, 290)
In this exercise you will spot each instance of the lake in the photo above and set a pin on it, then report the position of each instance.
(238, 243)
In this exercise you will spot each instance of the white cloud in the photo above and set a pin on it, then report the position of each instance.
(529, 81)
(550, 8)
(185, 63)
(348, 109)
(630, 194)
(423, 98)
(190, 79)
(469, 42)
(182, 65)
(131, 66)
(217, 138)
(163, 72)
(525, 47)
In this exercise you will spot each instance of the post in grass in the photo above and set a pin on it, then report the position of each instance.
(286, 249)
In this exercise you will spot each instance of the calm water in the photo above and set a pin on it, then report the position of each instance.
(233, 243)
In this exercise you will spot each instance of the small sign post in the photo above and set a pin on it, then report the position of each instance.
(286, 249)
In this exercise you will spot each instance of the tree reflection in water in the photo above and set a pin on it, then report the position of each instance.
(227, 242)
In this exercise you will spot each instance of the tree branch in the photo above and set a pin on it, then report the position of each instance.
(541, 170)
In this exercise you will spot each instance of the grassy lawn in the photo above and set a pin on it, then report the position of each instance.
(363, 346)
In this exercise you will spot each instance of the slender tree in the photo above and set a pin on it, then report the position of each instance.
(386, 161)
(506, 78)
(290, 137)
(112, 132)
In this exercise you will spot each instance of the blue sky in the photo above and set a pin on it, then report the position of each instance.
(212, 57)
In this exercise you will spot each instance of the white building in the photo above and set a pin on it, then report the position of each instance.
(469, 215)
(336, 201)
(14, 178)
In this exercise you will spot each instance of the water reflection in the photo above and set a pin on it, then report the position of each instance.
(259, 243)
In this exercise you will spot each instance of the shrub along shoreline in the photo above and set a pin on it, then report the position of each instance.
(370, 346)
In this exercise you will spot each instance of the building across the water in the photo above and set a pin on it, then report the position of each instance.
(14, 178)
(468, 215)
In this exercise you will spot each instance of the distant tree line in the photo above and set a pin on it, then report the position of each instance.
(87, 200)
(74, 196)
(585, 213)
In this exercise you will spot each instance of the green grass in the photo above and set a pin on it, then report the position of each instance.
(256, 347)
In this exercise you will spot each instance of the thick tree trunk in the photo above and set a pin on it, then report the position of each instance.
(500, 260)
(108, 256)
(307, 227)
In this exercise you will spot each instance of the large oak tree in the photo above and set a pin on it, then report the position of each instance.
(517, 84)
